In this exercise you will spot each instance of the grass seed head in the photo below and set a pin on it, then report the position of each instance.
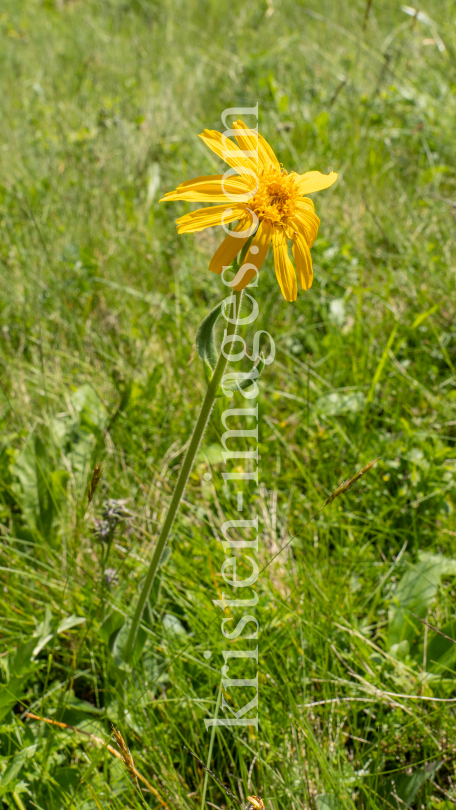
(127, 758)
(94, 481)
(350, 481)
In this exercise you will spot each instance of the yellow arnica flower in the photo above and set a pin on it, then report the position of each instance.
(264, 199)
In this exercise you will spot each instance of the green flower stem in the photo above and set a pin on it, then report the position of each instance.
(184, 473)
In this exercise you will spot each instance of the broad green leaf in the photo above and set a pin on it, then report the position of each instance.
(83, 715)
(205, 342)
(119, 643)
(173, 626)
(414, 594)
(22, 661)
(16, 765)
(77, 438)
(406, 786)
(44, 627)
(10, 694)
(441, 652)
(81, 458)
(85, 434)
(111, 624)
(69, 622)
(42, 644)
(87, 404)
(42, 490)
(76, 704)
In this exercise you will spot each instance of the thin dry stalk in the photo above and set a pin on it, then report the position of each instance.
(134, 773)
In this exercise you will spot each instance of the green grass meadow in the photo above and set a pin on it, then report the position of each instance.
(101, 104)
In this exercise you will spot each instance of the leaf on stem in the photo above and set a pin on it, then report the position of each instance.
(205, 342)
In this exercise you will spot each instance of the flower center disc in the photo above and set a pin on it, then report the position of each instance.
(276, 197)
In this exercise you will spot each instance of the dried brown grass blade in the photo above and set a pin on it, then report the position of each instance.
(227, 790)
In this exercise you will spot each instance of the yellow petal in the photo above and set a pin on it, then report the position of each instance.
(252, 141)
(307, 202)
(303, 261)
(208, 189)
(226, 149)
(306, 221)
(230, 247)
(314, 181)
(285, 271)
(248, 140)
(256, 255)
(208, 217)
